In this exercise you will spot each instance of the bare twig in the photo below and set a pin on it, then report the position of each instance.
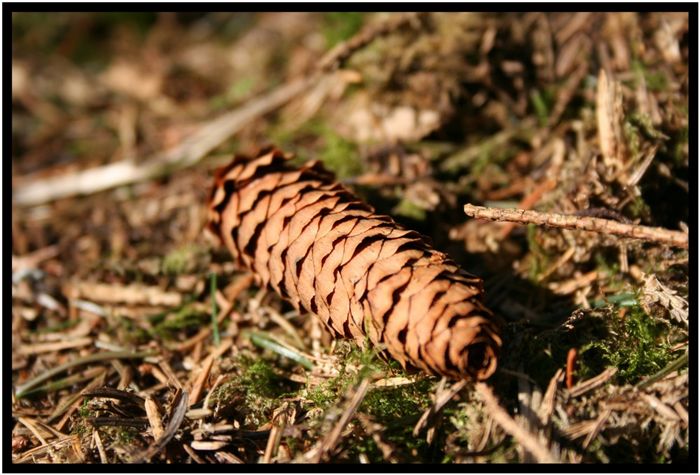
(209, 136)
(570, 286)
(196, 458)
(609, 116)
(32, 260)
(528, 440)
(53, 445)
(194, 148)
(598, 225)
(597, 427)
(281, 418)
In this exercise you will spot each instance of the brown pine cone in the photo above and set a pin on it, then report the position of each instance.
(317, 245)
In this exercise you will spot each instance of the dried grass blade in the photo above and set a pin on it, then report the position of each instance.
(528, 440)
(22, 389)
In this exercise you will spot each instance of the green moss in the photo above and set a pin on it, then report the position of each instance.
(364, 363)
(260, 379)
(238, 91)
(646, 126)
(129, 331)
(255, 392)
(325, 394)
(679, 147)
(656, 81)
(394, 403)
(538, 260)
(339, 155)
(541, 107)
(184, 259)
(126, 435)
(409, 209)
(170, 324)
(339, 26)
(634, 345)
(396, 408)
(632, 137)
(638, 208)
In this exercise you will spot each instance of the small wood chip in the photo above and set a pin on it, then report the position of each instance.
(37, 348)
(660, 407)
(154, 417)
(592, 383)
(206, 368)
(208, 444)
(100, 447)
(124, 294)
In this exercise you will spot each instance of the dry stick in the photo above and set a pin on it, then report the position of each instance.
(29, 424)
(525, 438)
(193, 149)
(36, 451)
(585, 223)
(192, 454)
(206, 139)
(599, 423)
(134, 294)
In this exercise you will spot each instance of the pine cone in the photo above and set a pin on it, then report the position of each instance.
(321, 248)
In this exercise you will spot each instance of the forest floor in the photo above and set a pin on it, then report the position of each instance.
(136, 338)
